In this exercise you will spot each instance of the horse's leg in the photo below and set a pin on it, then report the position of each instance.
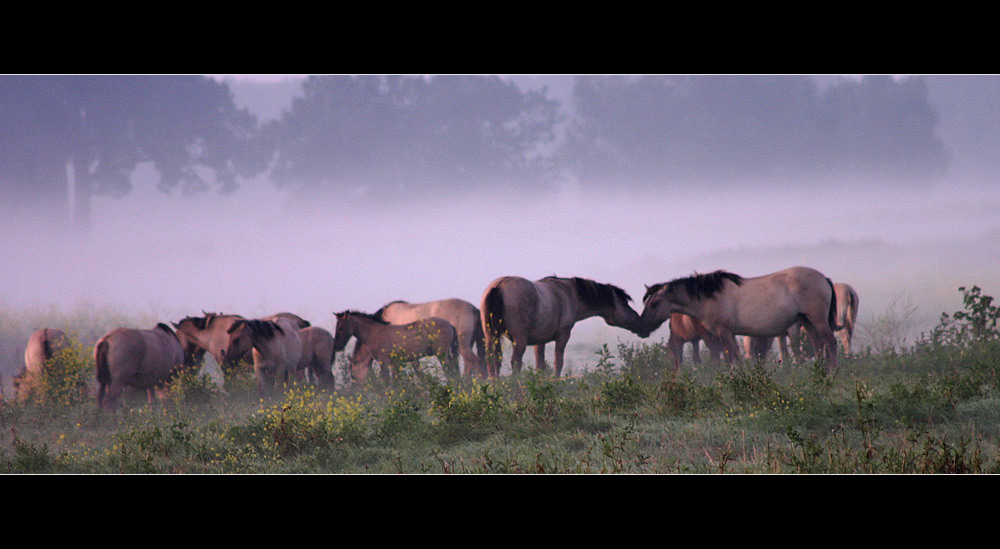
(540, 357)
(823, 340)
(730, 347)
(845, 339)
(783, 348)
(493, 349)
(472, 366)
(561, 341)
(696, 351)
(516, 356)
(676, 347)
(109, 400)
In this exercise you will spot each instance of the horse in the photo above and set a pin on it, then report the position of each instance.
(464, 316)
(275, 344)
(141, 359)
(210, 333)
(764, 306)
(43, 345)
(847, 318)
(687, 329)
(317, 355)
(543, 311)
(394, 344)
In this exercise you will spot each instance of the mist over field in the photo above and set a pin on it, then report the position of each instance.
(261, 249)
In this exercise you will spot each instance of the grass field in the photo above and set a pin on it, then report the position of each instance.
(933, 407)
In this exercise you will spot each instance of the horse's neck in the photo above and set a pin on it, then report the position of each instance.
(367, 331)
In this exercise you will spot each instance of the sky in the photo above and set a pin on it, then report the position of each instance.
(249, 253)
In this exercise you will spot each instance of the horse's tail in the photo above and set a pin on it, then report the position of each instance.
(103, 372)
(852, 310)
(493, 326)
(832, 315)
(493, 313)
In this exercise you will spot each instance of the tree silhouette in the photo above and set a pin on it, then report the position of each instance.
(391, 136)
(678, 130)
(104, 126)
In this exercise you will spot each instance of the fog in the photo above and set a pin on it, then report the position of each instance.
(252, 253)
(257, 251)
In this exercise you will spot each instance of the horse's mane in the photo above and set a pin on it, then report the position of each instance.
(265, 329)
(165, 328)
(202, 322)
(699, 285)
(379, 312)
(595, 294)
(364, 315)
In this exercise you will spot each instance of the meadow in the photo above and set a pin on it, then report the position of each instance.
(932, 406)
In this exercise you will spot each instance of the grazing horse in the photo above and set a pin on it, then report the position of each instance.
(276, 347)
(141, 359)
(535, 313)
(847, 318)
(210, 333)
(43, 344)
(464, 316)
(317, 355)
(765, 306)
(393, 344)
(687, 329)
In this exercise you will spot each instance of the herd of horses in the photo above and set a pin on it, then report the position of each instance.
(713, 308)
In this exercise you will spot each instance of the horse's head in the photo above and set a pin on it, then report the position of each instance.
(344, 331)
(242, 336)
(657, 305)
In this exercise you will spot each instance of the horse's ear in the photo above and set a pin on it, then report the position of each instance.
(176, 325)
(236, 325)
(647, 287)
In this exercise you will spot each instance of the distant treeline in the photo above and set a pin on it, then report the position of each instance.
(393, 136)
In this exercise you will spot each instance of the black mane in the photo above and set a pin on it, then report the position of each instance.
(364, 315)
(595, 294)
(265, 329)
(699, 286)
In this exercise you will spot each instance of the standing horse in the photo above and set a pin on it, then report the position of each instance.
(765, 306)
(43, 344)
(535, 313)
(687, 329)
(141, 359)
(464, 316)
(394, 344)
(276, 347)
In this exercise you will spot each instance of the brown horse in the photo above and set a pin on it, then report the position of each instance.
(395, 344)
(276, 347)
(317, 355)
(464, 316)
(535, 313)
(141, 359)
(43, 345)
(765, 306)
(687, 329)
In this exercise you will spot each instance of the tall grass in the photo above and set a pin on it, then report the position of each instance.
(928, 407)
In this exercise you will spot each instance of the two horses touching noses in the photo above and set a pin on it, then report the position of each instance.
(712, 307)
